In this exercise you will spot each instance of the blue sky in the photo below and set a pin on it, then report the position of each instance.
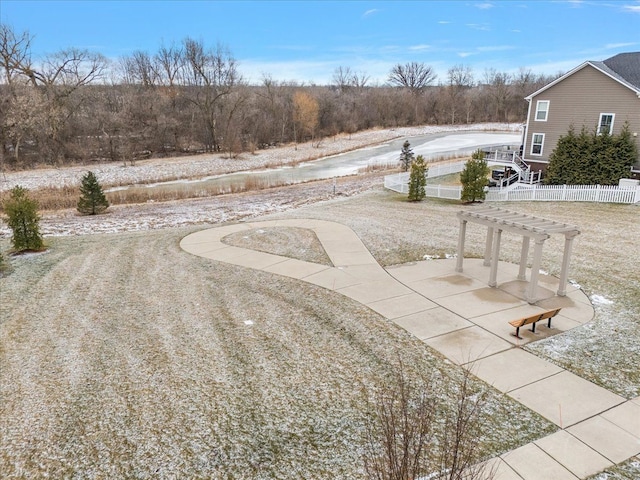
(305, 41)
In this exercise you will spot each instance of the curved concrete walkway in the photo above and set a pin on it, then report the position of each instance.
(467, 321)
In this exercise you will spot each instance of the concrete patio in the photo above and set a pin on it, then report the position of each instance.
(467, 321)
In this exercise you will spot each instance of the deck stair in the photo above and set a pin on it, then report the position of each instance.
(511, 158)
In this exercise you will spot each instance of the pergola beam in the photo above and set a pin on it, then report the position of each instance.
(539, 229)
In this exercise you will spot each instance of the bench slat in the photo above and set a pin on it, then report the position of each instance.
(533, 319)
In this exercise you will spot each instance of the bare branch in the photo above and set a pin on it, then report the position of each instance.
(414, 76)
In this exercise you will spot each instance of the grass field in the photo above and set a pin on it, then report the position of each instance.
(124, 357)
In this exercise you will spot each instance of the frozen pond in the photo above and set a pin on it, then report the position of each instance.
(432, 147)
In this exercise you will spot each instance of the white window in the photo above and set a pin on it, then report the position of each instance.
(605, 125)
(542, 110)
(537, 140)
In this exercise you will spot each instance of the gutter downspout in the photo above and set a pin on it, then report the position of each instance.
(526, 130)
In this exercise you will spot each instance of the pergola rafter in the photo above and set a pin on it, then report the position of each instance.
(498, 220)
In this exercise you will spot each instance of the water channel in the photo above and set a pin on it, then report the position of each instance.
(432, 147)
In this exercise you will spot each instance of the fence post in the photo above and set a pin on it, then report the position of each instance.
(533, 191)
(597, 193)
(637, 197)
(564, 191)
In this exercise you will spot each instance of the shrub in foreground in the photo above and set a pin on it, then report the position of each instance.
(23, 219)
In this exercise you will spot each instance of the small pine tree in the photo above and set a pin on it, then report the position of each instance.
(23, 219)
(474, 178)
(418, 180)
(406, 156)
(92, 199)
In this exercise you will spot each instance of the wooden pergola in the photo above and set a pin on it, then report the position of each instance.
(498, 220)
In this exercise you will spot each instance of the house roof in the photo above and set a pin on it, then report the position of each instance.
(623, 68)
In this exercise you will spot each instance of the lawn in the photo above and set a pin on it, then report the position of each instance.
(123, 356)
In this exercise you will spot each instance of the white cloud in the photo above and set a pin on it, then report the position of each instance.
(479, 26)
(484, 5)
(632, 8)
(419, 47)
(610, 46)
(444, 22)
(552, 68)
(466, 54)
(496, 48)
(319, 72)
(370, 12)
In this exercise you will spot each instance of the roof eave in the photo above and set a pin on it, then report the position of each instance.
(578, 68)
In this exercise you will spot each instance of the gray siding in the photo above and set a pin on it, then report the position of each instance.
(579, 100)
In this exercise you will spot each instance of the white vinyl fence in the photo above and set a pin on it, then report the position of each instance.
(399, 182)
(536, 192)
(568, 193)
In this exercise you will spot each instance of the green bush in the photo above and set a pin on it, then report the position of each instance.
(474, 178)
(591, 158)
(418, 180)
(23, 219)
(92, 199)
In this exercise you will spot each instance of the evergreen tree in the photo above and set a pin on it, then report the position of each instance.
(23, 219)
(92, 199)
(591, 158)
(406, 156)
(474, 178)
(561, 157)
(418, 180)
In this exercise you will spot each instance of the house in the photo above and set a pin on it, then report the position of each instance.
(599, 95)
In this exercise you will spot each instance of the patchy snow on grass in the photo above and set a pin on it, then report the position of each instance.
(599, 299)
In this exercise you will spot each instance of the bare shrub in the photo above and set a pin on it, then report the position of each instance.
(425, 426)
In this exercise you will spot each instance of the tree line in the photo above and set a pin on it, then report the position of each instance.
(76, 106)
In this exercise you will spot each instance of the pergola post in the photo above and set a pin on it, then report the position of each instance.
(461, 237)
(487, 248)
(564, 271)
(535, 270)
(539, 229)
(524, 254)
(493, 275)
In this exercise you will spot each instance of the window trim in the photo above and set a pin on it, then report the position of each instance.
(546, 112)
(613, 119)
(533, 144)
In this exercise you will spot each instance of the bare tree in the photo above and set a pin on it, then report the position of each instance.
(342, 78)
(169, 61)
(215, 74)
(15, 53)
(345, 79)
(459, 81)
(414, 76)
(498, 84)
(414, 433)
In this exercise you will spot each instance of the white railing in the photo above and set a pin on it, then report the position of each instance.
(566, 193)
(540, 193)
(399, 182)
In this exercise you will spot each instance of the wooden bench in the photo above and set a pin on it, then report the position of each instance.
(533, 319)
